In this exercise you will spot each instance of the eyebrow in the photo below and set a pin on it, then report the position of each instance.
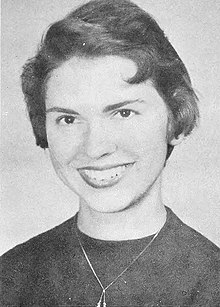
(61, 110)
(120, 104)
(105, 110)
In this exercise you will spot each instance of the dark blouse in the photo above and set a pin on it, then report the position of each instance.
(180, 268)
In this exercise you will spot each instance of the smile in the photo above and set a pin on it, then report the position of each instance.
(105, 177)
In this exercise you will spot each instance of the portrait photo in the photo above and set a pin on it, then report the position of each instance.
(110, 153)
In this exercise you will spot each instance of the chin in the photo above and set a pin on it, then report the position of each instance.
(124, 195)
(102, 205)
(113, 201)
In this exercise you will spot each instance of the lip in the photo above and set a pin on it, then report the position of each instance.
(100, 185)
(105, 167)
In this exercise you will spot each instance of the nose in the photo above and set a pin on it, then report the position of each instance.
(99, 141)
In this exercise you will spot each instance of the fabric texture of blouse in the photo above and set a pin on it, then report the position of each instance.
(180, 268)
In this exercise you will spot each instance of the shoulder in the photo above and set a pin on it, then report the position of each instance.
(27, 259)
(53, 239)
(203, 254)
(189, 240)
(191, 255)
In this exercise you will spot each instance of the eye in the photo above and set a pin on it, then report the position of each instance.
(66, 120)
(125, 113)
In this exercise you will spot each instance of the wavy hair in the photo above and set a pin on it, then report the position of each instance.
(112, 27)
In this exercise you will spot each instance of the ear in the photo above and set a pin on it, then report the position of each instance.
(178, 140)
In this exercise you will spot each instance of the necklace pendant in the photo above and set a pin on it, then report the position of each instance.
(99, 304)
(103, 304)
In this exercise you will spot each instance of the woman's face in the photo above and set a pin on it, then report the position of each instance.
(107, 138)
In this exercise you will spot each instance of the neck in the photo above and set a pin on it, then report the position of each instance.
(138, 221)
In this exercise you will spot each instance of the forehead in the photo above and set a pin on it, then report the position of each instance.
(92, 84)
(111, 66)
(79, 76)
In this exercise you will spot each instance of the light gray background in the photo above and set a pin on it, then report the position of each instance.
(33, 199)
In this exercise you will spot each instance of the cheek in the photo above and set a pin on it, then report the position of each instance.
(64, 146)
(145, 136)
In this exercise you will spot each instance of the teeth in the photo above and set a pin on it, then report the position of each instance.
(105, 175)
(104, 178)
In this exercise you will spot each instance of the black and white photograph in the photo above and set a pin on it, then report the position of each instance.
(110, 153)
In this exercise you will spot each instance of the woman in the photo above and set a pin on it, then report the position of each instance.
(109, 97)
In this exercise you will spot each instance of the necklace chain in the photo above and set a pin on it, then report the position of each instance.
(102, 297)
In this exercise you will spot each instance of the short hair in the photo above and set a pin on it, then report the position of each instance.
(112, 27)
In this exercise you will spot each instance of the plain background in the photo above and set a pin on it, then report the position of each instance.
(33, 199)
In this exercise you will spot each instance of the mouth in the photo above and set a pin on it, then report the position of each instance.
(104, 177)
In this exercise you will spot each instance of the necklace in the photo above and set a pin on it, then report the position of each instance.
(102, 297)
